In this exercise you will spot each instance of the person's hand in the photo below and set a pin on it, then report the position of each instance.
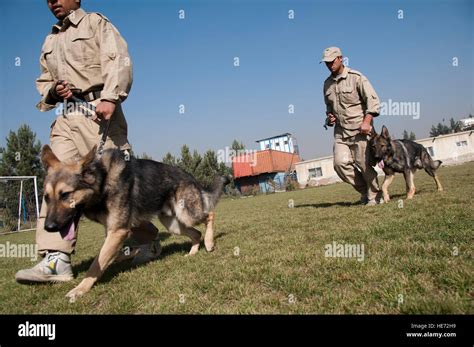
(105, 109)
(62, 90)
(331, 119)
(366, 127)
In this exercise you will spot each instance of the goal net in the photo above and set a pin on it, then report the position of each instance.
(19, 209)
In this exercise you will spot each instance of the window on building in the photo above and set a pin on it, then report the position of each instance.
(315, 172)
(267, 146)
(277, 144)
(286, 142)
(430, 151)
(461, 144)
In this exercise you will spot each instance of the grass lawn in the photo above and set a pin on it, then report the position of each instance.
(270, 258)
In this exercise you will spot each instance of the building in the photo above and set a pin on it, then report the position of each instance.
(451, 149)
(466, 123)
(284, 142)
(315, 172)
(264, 170)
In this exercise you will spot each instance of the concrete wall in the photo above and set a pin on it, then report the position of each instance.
(327, 170)
(452, 148)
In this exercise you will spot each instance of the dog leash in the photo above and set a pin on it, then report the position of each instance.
(90, 109)
(105, 132)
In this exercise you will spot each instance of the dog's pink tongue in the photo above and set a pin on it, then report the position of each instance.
(68, 232)
(381, 164)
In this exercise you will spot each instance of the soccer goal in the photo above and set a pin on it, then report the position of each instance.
(19, 208)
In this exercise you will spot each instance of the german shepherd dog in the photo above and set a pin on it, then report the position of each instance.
(121, 194)
(402, 156)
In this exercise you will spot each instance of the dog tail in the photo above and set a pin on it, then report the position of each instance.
(428, 162)
(212, 193)
(435, 164)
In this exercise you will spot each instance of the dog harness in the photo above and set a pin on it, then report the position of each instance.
(406, 153)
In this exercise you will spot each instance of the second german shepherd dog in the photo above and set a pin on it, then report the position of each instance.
(402, 156)
(121, 194)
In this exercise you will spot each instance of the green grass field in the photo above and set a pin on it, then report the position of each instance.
(270, 258)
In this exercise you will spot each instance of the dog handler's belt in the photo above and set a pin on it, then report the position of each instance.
(88, 96)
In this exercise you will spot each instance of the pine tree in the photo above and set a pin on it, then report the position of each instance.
(145, 156)
(169, 159)
(196, 160)
(412, 136)
(208, 168)
(405, 135)
(186, 161)
(443, 129)
(434, 131)
(439, 129)
(204, 168)
(455, 126)
(21, 157)
(236, 145)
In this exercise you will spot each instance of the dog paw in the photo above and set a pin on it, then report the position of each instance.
(194, 250)
(76, 293)
(210, 248)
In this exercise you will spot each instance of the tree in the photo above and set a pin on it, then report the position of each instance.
(196, 160)
(145, 156)
(207, 169)
(188, 162)
(21, 157)
(236, 145)
(169, 159)
(204, 168)
(410, 136)
(455, 126)
(443, 129)
(439, 129)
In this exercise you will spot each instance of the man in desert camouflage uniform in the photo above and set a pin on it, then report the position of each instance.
(351, 105)
(86, 57)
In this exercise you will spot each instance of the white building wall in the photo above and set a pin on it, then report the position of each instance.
(452, 148)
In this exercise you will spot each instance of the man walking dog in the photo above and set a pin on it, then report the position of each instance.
(84, 57)
(351, 105)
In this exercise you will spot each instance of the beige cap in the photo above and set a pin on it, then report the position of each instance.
(330, 53)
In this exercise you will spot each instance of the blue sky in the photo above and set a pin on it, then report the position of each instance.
(190, 62)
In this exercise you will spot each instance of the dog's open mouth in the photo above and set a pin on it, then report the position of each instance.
(381, 164)
(68, 232)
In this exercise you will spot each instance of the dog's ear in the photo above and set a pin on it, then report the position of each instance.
(48, 158)
(373, 133)
(87, 171)
(385, 133)
(89, 158)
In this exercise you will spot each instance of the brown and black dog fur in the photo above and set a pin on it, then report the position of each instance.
(404, 156)
(122, 194)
